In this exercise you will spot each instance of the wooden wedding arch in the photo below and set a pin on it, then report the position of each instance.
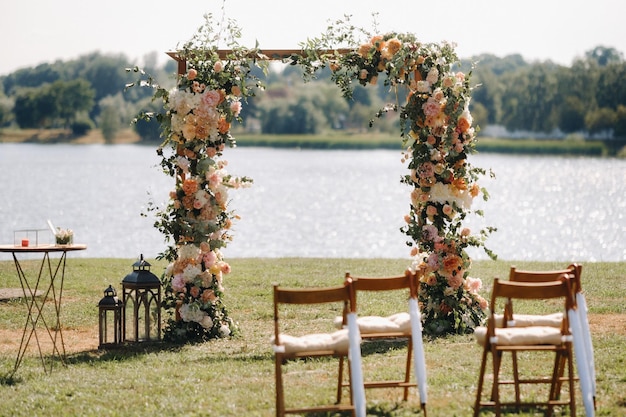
(436, 143)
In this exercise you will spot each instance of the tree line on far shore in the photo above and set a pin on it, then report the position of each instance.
(526, 99)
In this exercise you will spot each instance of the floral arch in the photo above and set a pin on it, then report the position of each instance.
(437, 136)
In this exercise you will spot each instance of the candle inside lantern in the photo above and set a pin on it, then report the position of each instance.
(25, 242)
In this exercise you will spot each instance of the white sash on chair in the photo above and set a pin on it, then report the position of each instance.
(356, 372)
(418, 350)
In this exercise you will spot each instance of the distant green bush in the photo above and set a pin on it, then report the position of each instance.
(81, 127)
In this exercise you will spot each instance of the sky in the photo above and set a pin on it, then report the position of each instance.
(43, 31)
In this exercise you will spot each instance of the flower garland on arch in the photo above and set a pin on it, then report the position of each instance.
(195, 124)
(437, 132)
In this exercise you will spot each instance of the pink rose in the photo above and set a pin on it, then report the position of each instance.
(426, 170)
(235, 107)
(192, 74)
(209, 259)
(431, 108)
(433, 261)
(211, 98)
(178, 283)
(473, 284)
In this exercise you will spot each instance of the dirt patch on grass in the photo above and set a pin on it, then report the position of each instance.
(607, 324)
(75, 340)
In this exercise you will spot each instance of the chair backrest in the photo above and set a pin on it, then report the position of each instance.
(574, 271)
(512, 290)
(342, 293)
(410, 281)
(538, 276)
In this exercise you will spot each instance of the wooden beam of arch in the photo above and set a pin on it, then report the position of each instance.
(267, 54)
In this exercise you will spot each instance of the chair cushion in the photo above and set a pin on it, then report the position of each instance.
(526, 320)
(524, 336)
(337, 341)
(400, 322)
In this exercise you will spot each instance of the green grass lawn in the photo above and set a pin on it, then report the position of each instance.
(235, 377)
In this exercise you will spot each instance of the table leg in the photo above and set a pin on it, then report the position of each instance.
(35, 309)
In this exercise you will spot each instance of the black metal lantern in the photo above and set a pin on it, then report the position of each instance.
(110, 327)
(142, 304)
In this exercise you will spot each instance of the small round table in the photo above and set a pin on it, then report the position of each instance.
(49, 288)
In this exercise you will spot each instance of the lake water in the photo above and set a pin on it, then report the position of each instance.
(313, 203)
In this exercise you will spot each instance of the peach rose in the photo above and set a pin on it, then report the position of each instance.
(194, 291)
(431, 279)
(377, 41)
(192, 74)
(208, 295)
(190, 186)
(474, 190)
(223, 126)
(463, 125)
(455, 281)
(451, 263)
(364, 50)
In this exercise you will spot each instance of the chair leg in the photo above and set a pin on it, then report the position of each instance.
(495, 392)
(516, 379)
(340, 379)
(570, 374)
(407, 371)
(481, 379)
(555, 384)
(350, 381)
(280, 396)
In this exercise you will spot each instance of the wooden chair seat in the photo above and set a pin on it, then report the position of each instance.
(336, 343)
(521, 336)
(527, 320)
(398, 324)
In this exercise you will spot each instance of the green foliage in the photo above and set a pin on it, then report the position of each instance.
(51, 104)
